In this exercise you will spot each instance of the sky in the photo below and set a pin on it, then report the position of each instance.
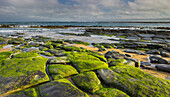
(84, 10)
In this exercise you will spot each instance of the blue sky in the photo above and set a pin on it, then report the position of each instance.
(83, 10)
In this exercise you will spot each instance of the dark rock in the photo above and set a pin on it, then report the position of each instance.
(145, 64)
(153, 52)
(137, 62)
(60, 88)
(134, 51)
(32, 49)
(163, 67)
(146, 35)
(165, 54)
(158, 59)
(114, 54)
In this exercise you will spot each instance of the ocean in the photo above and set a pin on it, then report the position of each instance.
(119, 24)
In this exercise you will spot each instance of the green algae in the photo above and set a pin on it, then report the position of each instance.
(60, 88)
(24, 55)
(87, 81)
(60, 71)
(30, 92)
(135, 82)
(111, 92)
(20, 72)
(85, 62)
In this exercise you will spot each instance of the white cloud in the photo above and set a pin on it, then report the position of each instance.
(84, 10)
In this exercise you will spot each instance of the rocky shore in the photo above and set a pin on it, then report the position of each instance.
(37, 65)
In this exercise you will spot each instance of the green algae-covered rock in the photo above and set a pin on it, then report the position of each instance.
(85, 62)
(17, 73)
(98, 55)
(30, 92)
(4, 55)
(135, 82)
(118, 62)
(16, 41)
(111, 92)
(59, 60)
(60, 88)
(87, 81)
(60, 71)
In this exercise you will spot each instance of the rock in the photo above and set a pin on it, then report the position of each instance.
(87, 81)
(137, 62)
(59, 60)
(43, 48)
(85, 62)
(115, 62)
(56, 52)
(3, 41)
(167, 40)
(146, 35)
(60, 88)
(114, 54)
(133, 38)
(134, 81)
(30, 92)
(111, 92)
(36, 44)
(32, 49)
(60, 71)
(16, 41)
(128, 55)
(145, 64)
(21, 71)
(153, 52)
(46, 53)
(157, 59)
(102, 49)
(163, 67)
(148, 39)
(165, 54)
(134, 51)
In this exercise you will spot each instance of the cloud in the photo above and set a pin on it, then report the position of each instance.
(83, 10)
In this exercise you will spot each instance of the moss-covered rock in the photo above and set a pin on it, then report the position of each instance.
(59, 60)
(71, 48)
(3, 41)
(30, 92)
(60, 88)
(23, 70)
(43, 48)
(85, 62)
(60, 71)
(135, 82)
(111, 92)
(98, 55)
(16, 41)
(116, 62)
(4, 55)
(46, 53)
(48, 45)
(87, 81)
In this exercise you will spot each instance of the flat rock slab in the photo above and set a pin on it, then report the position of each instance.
(85, 62)
(111, 92)
(59, 60)
(88, 81)
(60, 88)
(23, 70)
(163, 67)
(135, 82)
(60, 71)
